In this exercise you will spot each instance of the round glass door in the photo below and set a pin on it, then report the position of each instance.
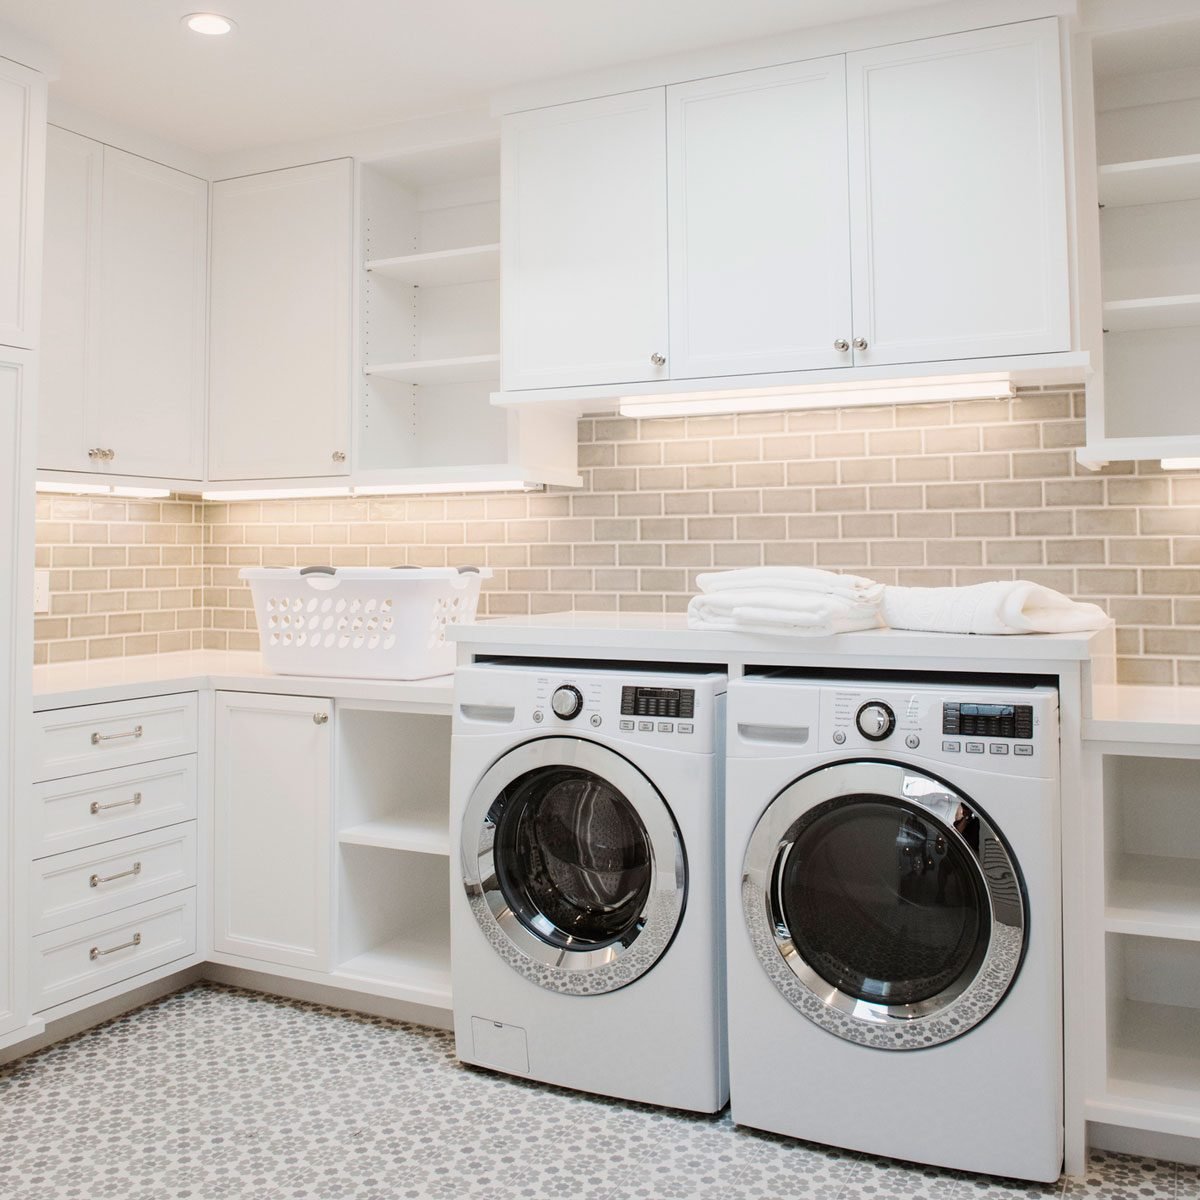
(883, 905)
(573, 865)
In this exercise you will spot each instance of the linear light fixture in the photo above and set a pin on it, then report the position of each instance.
(833, 395)
(1180, 464)
(284, 493)
(103, 489)
(409, 489)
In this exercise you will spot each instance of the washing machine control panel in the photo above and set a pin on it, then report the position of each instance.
(968, 719)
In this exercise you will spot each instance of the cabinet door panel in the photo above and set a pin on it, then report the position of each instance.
(71, 266)
(759, 221)
(272, 829)
(584, 271)
(150, 390)
(281, 297)
(958, 195)
(22, 174)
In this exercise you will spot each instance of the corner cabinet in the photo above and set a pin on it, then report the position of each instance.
(124, 316)
(272, 834)
(903, 205)
(280, 349)
(22, 150)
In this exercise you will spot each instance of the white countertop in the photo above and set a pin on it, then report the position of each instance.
(641, 632)
(64, 685)
(1136, 713)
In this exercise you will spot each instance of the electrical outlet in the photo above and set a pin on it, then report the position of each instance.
(41, 591)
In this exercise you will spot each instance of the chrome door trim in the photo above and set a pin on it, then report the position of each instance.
(585, 971)
(889, 1027)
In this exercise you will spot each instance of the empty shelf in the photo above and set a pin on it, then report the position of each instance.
(471, 264)
(474, 368)
(1150, 181)
(396, 833)
(413, 968)
(1154, 896)
(1153, 1057)
(1151, 312)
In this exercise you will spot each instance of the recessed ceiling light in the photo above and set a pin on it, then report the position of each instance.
(211, 24)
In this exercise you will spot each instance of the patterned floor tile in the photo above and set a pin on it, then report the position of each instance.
(1187, 1183)
(1123, 1177)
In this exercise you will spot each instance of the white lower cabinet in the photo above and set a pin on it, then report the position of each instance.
(272, 832)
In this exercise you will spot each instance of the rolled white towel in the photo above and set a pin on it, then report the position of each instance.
(791, 579)
(1004, 607)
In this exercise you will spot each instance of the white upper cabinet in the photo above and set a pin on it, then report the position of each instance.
(279, 392)
(149, 403)
(584, 237)
(22, 150)
(759, 221)
(123, 320)
(958, 197)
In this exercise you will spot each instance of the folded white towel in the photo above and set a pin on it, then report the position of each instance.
(1002, 607)
(791, 579)
(774, 610)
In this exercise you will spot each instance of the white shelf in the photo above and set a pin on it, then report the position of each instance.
(1151, 312)
(1154, 896)
(421, 837)
(1154, 1059)
(1150, 181)
(414, 968)
(474, 368)
(440, 268)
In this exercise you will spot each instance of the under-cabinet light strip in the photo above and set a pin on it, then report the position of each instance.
(117, 490)
(383, 489)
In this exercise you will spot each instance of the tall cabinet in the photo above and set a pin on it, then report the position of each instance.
(22, 173)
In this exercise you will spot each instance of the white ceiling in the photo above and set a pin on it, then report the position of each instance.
(300, 69)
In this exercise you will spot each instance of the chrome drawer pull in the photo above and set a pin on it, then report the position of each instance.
(95, 952)
(97, 807)
(97, 738)
(96, 880)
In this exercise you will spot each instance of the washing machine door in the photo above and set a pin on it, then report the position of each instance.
(884, 905)
(573, 865)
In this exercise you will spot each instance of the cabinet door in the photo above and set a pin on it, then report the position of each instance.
(759, 221)
(17, 392)
(71, 266)
(281, 298)
(22, 175)
(151, 291)
(584, 243)
(958, 196)
(273, 840)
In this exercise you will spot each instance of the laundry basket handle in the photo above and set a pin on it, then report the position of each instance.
(318, 570)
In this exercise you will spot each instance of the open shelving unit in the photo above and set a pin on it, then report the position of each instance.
(393, 854)
(430, 331)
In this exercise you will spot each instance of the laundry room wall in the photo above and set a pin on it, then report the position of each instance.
(937, 494)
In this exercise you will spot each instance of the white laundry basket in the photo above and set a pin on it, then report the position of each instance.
(362, 622)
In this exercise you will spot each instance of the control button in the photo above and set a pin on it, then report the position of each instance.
(952, 747)
(685, 727)
(975, 747)
(567, 702)
(998, 748)
(1022, 751)
(595, 719)
(666, 727)
(646, 726)
(839, 737)
(538, 715)
(875, 720)
(627, 725)
(912, 741)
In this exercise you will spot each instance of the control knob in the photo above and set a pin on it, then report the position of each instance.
(875, 720)
(567, 702)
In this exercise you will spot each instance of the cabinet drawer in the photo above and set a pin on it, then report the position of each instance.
(70, 741)
(102, 879)
(94, 954)
(69, 814)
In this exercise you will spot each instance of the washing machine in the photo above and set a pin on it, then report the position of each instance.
(894, 925)
(587, 923)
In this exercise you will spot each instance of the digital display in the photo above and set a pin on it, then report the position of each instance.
(678, 703)
(988, 720)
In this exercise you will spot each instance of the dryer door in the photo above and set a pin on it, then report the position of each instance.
(883, 905)
(573, 865)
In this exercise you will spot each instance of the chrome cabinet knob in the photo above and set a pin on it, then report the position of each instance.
(320, 718)
(339, 456)
(860, 343)
(658, 360)
(101, 455)
(842, 345)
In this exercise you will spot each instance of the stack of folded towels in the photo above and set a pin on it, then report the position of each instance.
(810, 602)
